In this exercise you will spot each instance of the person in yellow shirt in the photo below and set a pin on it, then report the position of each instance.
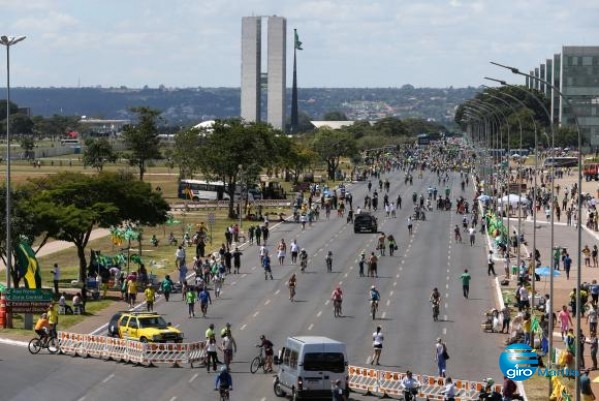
(150, 297)
(131, 292)
(52, 314)
(42, 326)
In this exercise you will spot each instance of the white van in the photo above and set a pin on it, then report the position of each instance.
(309, 367)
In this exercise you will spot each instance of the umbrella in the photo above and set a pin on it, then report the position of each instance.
(484, 198)
(545, 271)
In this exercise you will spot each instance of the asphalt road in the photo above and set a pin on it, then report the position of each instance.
(254, 306)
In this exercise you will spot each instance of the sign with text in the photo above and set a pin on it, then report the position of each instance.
(25, 300)
(29, 295)
(27, 307)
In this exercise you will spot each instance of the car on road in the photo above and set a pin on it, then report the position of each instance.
(113, 324)
(147, 327)
(365, 222)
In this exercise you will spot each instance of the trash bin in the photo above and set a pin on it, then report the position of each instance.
(514, 270)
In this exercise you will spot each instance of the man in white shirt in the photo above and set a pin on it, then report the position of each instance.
(294, 249)
(471, 234)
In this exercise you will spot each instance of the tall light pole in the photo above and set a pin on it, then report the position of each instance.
(8, 41)
(579, 211)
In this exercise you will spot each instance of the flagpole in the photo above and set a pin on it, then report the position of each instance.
(294, 106)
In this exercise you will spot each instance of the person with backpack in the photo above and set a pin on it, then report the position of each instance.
(224, 381)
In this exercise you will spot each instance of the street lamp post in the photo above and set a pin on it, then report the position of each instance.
(8, 41)
(579, 211)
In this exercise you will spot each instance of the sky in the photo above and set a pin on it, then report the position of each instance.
(346, 43)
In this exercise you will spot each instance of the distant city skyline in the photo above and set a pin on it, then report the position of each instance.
(347, 43)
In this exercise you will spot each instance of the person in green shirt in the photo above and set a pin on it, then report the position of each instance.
(190, 299)
(465, 277)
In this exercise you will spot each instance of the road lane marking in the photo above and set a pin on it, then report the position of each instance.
(397, 275)
(277, 291)
(243, 327)
(447, 286)
(383, 315)
(106, 380)
(445, 317)
(267, 302)
(256, 313)
(173, 398)
(310, 327)
(388, 302)
(445, 305)
(394, 283)
(444, 330)
(319, 313)
(81, 399)
(193, 377)
(326, 302)
(391, 293)
(345, 275)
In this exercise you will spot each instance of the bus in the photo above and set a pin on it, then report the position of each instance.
(197, 190)
(423, 139)
(560, 162)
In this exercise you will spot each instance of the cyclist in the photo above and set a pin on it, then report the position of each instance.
(410, 386)
(43, 326)
(392, 244)
(267, 346)
(224, 381)
(303, 259)
(204, 297)
(329, 261)
(291, 285)
(337, 298)
(374, 296)
(435, 300)
(457, 234)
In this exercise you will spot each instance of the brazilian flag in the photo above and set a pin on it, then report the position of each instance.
(27, 266)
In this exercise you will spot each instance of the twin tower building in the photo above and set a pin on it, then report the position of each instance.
(254, 80)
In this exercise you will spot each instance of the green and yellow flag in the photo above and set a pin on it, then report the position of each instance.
(298, 44)
(27, 266)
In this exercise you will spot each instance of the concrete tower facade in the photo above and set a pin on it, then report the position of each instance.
(251, 60)
(251, 72)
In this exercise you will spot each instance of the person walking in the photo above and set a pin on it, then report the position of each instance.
(585, 386)
(465, 277)
(472, 235)
(167, 287)
(565, 320)
(490, 264)
(56, 278)
(291, 285)
(441, 356)
(594, 345)
(190, 299)
(150, 295)
(377, 344)
(236, 260)
(567, 262)
(410, 225)
(361, 263)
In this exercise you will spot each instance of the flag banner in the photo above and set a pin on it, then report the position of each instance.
(298, 44)
(27, 265)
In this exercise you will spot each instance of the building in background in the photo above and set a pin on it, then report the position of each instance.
(575, 71)
(252, 76)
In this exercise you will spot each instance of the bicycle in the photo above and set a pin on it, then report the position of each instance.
(223, 394)
(258, 362)
(337, 308)
(374, 306)
(435, 311)
(49, 342)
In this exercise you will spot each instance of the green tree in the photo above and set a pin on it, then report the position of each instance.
(73, 204)
(185, 152)
(331, 145)
(142, 139)
(335, 116)
(23, 223)
(55, 126)
(97, 153)
(28, 144)
(21, 124)
(234, 146)
(390, 126)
